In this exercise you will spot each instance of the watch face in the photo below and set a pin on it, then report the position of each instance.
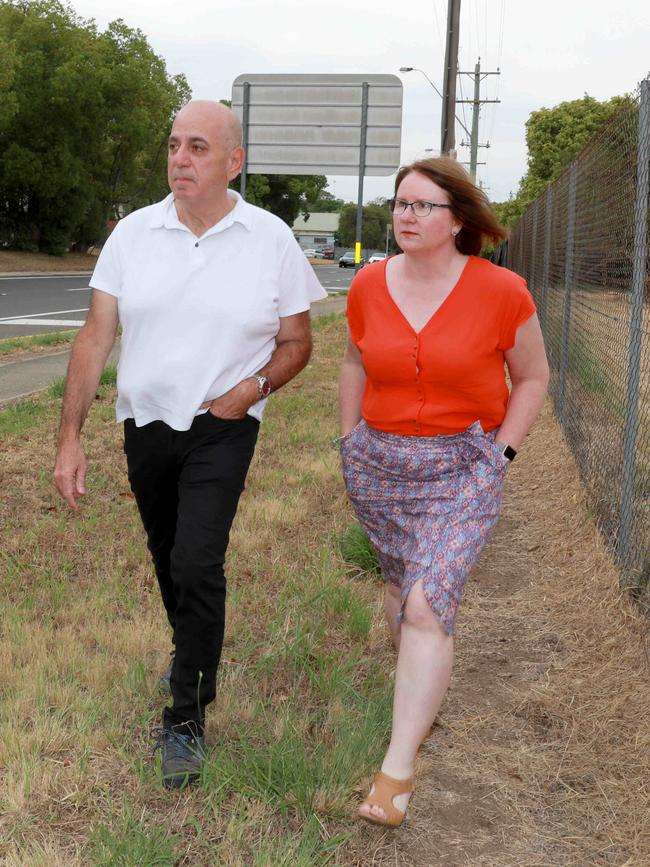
(509, 453)
(265, 386)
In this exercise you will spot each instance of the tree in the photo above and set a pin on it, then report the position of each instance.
(286, 196)
(554, 136)
(326, 203)
(88, 115)
(376, 216)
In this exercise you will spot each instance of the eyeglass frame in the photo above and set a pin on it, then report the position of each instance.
(392, 202)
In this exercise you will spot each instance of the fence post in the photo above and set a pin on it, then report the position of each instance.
(548, 219)
(532, 280)
(568, 287)
(640, 254)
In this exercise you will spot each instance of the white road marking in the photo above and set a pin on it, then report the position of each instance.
(76, 323)
(11, 319)
(79, 289)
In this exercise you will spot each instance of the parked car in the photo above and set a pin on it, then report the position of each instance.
(378, 257)
(347, 260)
(325, 252)
(310, 254)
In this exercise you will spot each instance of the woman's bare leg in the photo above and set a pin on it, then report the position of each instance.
(424, 664)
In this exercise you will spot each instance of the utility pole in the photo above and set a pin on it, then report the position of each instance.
(448, 133)
(476, 105)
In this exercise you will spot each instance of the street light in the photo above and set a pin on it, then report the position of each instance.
(416, 69)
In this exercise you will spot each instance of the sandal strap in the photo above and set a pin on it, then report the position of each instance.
(394, 786)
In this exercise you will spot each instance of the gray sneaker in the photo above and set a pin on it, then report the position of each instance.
(182, 753)
(164, 681)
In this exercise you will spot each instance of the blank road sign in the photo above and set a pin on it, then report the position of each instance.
(311, 124)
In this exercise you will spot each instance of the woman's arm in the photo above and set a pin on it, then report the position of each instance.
(528, 369)
(351, 385)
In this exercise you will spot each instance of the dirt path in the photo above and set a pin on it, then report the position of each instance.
(541, 753)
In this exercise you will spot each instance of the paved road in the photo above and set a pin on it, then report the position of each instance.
(34, 305)
(24, 376)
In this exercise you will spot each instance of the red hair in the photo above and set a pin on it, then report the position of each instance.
(469, 204)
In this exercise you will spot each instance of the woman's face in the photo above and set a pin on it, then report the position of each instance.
(424, 234)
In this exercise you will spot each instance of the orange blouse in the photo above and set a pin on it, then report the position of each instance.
(451, 373)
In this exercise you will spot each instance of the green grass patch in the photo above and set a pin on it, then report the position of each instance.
(17, 418)
(299, 762)
(129, 842)
(24, 344)
(320, 323)
(108, 378)
(24, 415)
(356, 549)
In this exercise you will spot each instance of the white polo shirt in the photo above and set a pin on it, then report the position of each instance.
(198, 315)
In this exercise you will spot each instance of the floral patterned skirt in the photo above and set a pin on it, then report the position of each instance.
(428, 505)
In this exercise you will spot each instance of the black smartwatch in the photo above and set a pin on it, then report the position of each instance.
(509, 453)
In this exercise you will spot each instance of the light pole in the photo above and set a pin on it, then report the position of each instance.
(416, 69)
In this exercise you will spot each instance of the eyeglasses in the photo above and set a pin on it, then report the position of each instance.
(420, 209)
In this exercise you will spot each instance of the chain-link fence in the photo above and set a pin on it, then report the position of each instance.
(583, 248)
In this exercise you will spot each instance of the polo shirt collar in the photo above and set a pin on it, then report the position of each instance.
(164, 215)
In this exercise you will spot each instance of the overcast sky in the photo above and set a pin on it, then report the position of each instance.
(548, 53)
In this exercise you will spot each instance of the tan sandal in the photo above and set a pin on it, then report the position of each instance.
(387, 788)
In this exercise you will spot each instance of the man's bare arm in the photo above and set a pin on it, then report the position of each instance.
(291, 354)
(89, 353)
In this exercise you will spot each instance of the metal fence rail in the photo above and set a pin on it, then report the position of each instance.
(583, 248)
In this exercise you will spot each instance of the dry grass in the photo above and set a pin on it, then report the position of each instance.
(19, 260)
(541, 754)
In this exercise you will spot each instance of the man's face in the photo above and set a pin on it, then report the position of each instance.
(200, 158)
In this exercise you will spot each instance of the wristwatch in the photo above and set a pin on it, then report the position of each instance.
(263, 385)
(509, 453)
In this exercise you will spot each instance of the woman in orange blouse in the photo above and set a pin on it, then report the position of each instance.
(428, 428)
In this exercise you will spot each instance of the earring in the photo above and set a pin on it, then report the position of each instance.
(454, 232)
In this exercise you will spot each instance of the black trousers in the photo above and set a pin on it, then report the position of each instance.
(187, 485)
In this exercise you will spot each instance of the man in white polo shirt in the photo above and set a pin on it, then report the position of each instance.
(213, 297)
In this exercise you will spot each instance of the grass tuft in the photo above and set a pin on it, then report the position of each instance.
(19, 417)
(357, 549)
(129, 842)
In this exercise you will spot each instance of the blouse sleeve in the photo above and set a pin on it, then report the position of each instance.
(517, 309)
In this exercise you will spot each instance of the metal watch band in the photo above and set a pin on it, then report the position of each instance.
(263, 385)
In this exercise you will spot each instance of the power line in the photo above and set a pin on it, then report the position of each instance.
(499, 58)
(435, 13)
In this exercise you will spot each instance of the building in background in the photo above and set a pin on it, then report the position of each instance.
(316, 230)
